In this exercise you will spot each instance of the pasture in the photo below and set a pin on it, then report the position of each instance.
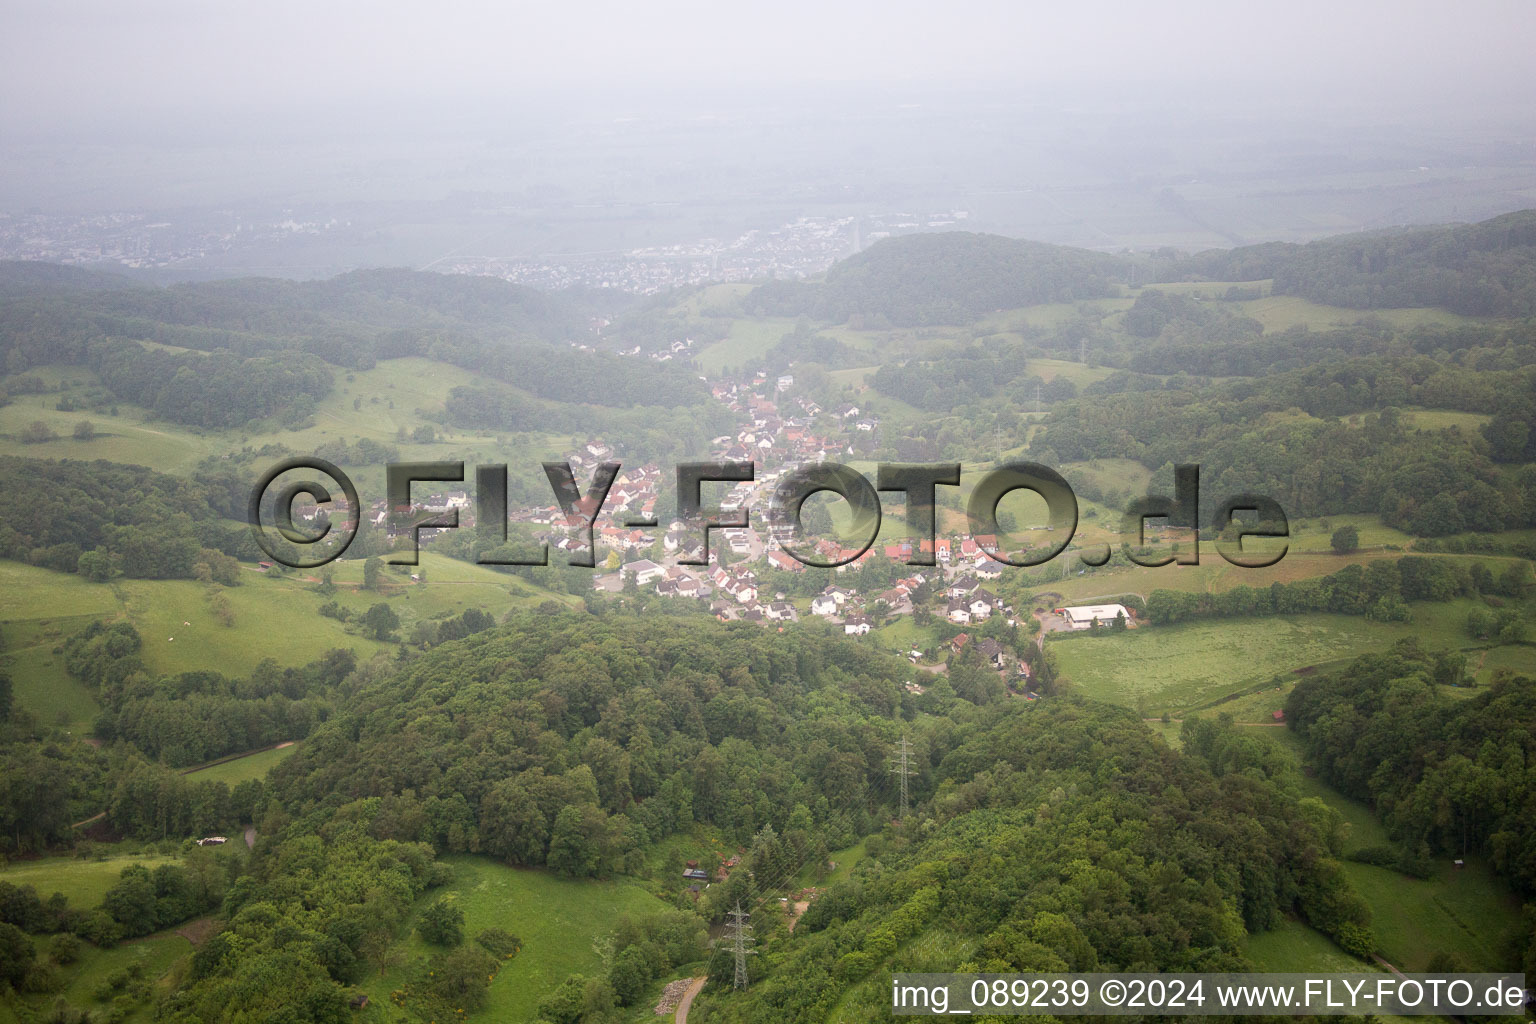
(1293, 945)
(275, 617)
(564, 925)
(1184, 667)
(1466, 911)
(83, 882)
(1279, 312)
(241, 769)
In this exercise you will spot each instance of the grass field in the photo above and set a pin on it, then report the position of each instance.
(42, 686)
(84, 882)
(1213, 575)
(1180, 668)
(154, 955)
(1519, 658)
(396, 394)
(846, 860)
(275, 617)
(181, 633)
(1467, 911)
(748, 340)
(1278, 312)
(564, 926)
(904, 634)
(252, 766)
(1294, 946)
(1077, 373)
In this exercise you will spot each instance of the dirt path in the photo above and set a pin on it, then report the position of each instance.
(799, 907)
(250, 838)
(682, 1007)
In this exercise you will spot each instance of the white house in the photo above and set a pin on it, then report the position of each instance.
(781, 611)
(963, 587)
(1084, 616)
(857, 625)
(645, 571)
(823, 604)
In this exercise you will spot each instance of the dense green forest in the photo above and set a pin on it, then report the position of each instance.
(117, 519)
(576, 742)
(1485, 269)
(945, 278)
(255, 345)
(1446, 776)
(1067, 839)
(956, 277)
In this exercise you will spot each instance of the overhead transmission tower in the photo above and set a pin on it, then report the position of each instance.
(903, 769)
(740, 934)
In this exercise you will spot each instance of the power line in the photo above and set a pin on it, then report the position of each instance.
(741, 944)
(783, 876)
(903, 768)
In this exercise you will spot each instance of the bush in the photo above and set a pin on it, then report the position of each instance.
(64, 949)
(1344, 540)
(499, 943)
(36, 432)
(1380, 856)
(442, 924)
(1355, 939)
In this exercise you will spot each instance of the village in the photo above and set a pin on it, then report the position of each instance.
(749, 575)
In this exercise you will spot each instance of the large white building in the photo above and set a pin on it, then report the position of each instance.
(1084, 616)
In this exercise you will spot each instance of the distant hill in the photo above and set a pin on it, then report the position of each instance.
(20, 278)
(1483, 269)
(952, 277)
(361, 302)
(256, 345)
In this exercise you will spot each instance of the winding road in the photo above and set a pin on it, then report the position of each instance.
(682, 1007)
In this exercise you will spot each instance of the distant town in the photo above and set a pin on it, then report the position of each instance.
(189, 240)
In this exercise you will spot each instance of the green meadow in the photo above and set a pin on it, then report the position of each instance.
(1184, 667)
(84, 882)
(275, 616)
(1466, 911)
(251, 766)
(1293, 945)
(396, 395)
(152, 956)
(564, 925)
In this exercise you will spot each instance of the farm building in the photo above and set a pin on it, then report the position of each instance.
(1084, 616)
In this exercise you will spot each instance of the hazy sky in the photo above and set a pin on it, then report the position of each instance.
(92, 59)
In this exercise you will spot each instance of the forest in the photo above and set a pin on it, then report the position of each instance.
(1447, 776)
(945, 278)
(243, 351)
(1051, 838)
(423, 741)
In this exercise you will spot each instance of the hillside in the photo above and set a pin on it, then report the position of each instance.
(581, 746)
(951, 277)
(224, 354)
(1483, 269)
